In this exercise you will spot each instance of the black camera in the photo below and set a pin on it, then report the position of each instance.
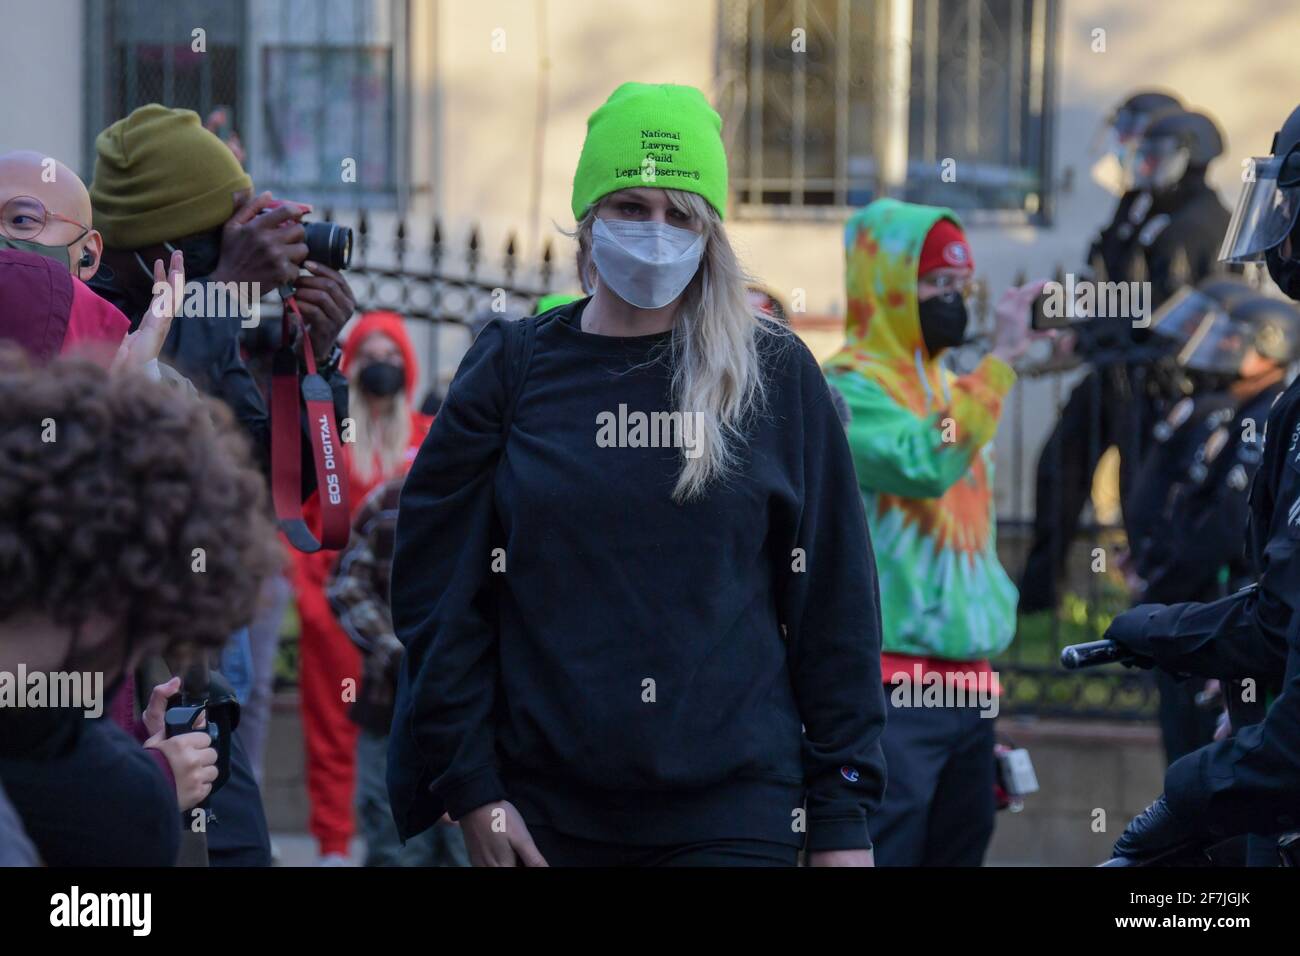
(327, 242)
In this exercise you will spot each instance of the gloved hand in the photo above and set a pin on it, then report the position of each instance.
(1128, 631)
(1154, 832)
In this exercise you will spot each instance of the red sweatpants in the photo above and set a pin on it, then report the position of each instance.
(326, 659)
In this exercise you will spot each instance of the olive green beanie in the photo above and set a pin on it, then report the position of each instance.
(160, 175)
(652, 135)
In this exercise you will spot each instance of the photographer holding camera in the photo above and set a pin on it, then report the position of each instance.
(162, 182)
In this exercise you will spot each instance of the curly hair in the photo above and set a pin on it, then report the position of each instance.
(109, 487)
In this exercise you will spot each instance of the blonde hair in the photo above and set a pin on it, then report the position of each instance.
(715, 356)
(379, 445)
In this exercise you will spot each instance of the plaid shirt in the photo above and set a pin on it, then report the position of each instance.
(358, 586)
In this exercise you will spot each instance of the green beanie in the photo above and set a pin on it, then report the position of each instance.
(160, 175)
(658, 135)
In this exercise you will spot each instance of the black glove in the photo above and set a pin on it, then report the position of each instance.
(1127, 630)
(1155, 832)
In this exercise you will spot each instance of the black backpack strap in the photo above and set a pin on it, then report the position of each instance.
(520, 336)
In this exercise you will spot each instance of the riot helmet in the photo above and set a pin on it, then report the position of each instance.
(1267, 210)
(1218, 347)
(1115, 142)
(1171, 144)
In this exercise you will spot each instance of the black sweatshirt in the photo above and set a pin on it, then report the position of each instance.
(87, 793)
(630, 669)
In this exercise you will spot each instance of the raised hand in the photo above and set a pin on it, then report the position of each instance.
(143, 345)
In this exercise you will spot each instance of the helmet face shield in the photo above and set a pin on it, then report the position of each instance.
(1113, 172)
(1217, 347)
(1128, 123)
(1115, 146)
(1159, 163)
(1183, 314)
(1265, 213)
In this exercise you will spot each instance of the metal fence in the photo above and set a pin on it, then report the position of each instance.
(446, 278)
(435, 277)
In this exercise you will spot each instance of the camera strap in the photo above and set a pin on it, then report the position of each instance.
(286, 443)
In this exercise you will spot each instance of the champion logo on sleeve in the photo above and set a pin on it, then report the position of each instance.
(850, 774)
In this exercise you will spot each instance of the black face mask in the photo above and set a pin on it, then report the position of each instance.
(382, 379)
(202, 253)
(1209, 383)
(943, 322)
(1284, 272)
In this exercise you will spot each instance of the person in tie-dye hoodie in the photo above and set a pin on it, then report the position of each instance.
(921, 440)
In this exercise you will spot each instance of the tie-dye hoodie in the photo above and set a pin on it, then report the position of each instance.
(921, 443)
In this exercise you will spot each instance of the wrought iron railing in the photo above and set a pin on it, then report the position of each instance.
(430, 277)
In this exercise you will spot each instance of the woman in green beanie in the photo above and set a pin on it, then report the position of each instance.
(632, 572)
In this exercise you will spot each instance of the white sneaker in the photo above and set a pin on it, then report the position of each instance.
(334, 859)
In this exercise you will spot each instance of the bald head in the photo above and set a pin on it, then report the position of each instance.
(61, 191)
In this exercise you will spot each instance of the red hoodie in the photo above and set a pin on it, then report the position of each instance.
(391, 325)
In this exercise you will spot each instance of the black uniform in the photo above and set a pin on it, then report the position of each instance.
(1178, 241)
(1111, 253)
(1169, 239)
(1251, 781)
(1188, 516)
(1191, 549)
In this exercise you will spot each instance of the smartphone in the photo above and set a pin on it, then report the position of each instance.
(1040, 321)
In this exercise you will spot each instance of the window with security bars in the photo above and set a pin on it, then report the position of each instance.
(831, 103)
(330, 82)
(311, 87)
(141, 51)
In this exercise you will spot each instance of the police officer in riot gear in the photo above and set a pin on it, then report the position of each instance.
(1178, 241)
(1172, 327)
(1166, 231)
(1190, 397)
(1115, 171)
(1189, 502)
(1250, 782)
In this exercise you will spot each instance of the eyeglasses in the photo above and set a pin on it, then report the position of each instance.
(25, 217)
(945, 284)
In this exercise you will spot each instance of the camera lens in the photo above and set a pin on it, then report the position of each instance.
(329, 243)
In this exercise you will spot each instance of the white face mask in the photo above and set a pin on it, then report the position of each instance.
(646, 264)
